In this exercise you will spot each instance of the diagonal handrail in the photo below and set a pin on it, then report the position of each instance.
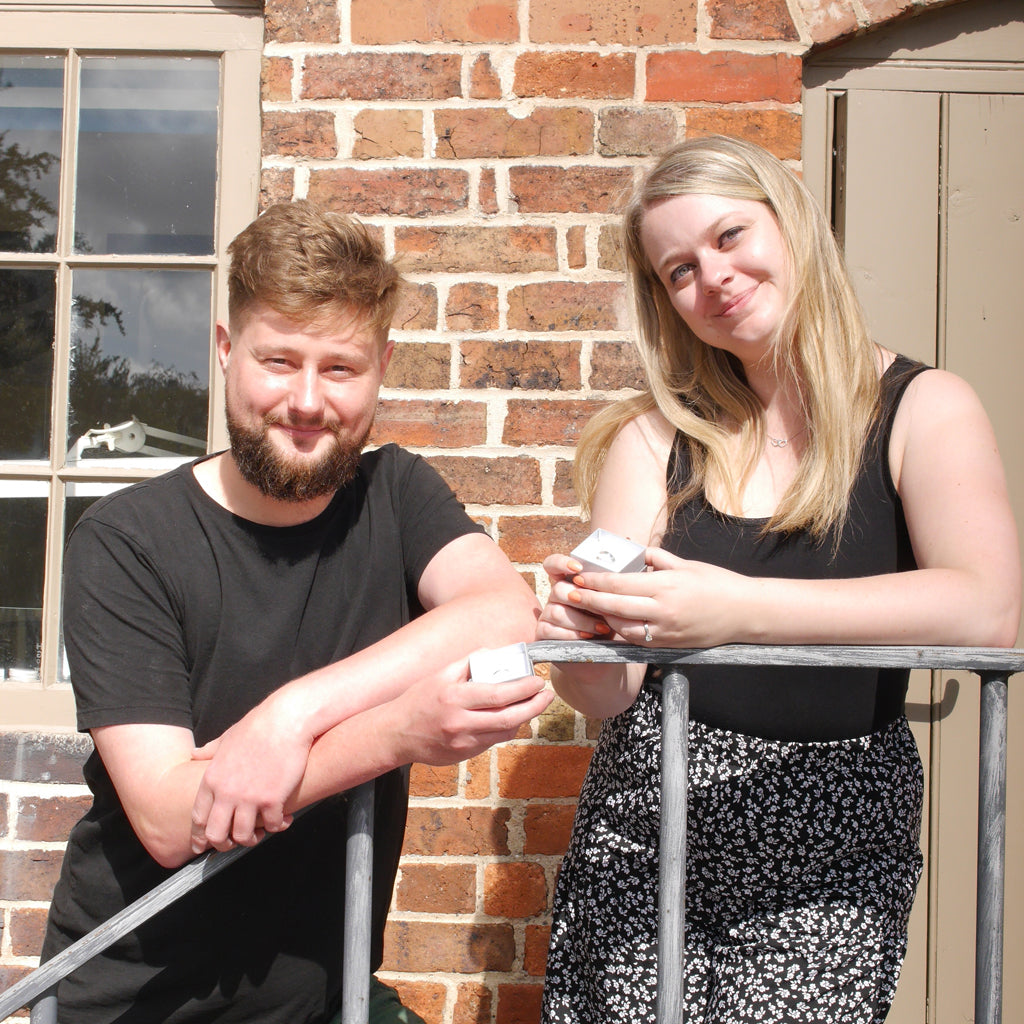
(994, 665)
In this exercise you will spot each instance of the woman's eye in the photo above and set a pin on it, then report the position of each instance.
(680, 272)
(729, 236)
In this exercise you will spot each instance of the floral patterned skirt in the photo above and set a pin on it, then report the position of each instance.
(802, 864)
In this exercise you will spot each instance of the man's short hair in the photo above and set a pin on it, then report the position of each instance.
(311, 266)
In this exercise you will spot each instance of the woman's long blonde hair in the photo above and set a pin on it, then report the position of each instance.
(822, 345)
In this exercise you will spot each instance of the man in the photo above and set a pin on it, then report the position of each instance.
(263, 629)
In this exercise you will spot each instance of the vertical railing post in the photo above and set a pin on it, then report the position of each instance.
(675, 713)
(44, 1009)
(355, 985)
(988, 970)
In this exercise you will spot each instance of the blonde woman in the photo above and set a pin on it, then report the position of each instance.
(794, 483)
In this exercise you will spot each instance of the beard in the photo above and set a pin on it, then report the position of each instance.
(294, 480)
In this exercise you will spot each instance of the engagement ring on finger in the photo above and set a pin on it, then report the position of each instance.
(647, 634)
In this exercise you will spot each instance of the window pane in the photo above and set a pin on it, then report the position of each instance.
(31, 101)
(147, 157)
(140, 363)
(22, 546)
(27, 300)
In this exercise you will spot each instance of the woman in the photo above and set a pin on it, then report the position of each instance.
(794, 483)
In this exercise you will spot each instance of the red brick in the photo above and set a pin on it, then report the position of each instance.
(29, 874)
(635, 131)
(568, 306)
(472, 1004)
(417, 364)
(547, 827)
(44, 757)
(487, 193)
(610, 255)
(751, 19)
(425, 998)
(277, 185)
(276, 79)
(652, 23)
(529, 771)
(49, 819)
(384, 134)
(881, 11)
(28, 926)
(515, 890)
(535, 954)
(484, 83)
(615, 365)
(484, 250)
(457, 831)
(576, 246)
(723, 77)
(828, 22)
(382, 76)
(417, 309)
(548, 421)
(483, 132)
(436, 889)
(491, 481)
(533, 365)
(564, 494)
(306, 133)
(459, 948)
(472, 306)
(306, 21)
(778, 131)
(415, 192)
(430, 423)
(526, 539)
(570, 189)
(557, 723)
(4, 814)
(478, 776)
(9, 976)
(519, 1004)
(427, 780)
(575, 74)
(444, 21)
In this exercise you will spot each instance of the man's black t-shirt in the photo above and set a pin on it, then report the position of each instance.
(178, 612)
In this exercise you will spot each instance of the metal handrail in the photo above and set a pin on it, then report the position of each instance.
(994, 665)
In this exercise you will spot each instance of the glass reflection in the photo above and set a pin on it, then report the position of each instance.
(27, 299)
(31, 103)
(22, 546)
(147, 158)
(140, 363)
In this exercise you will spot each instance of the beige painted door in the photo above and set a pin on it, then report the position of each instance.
(914, 139)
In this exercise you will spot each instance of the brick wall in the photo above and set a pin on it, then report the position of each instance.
(489, 144)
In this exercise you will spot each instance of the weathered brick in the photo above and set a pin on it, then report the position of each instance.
(5, 819)
(615, 365)
(880, 11)
(548, 421)
(610, 255)
(418, 364)
(459, 948)
(479, 480)
(751, 19)
(526, 539)
(575, 73)
(484, 83)
(430, 423)
(564, 494)
(10, 975)
(515, 890)
(277, 185)
(472, 306)
(828, 22)
(307, 21)
(569, 189)
(535, 952)
(436, 889)
(487, 192)
(483, 250)
(526, 772)
(542, 365)
(557, 723)
(518, 1003)
(778, 131)
(306, 133)
(472, 1003)
(425, 998)
(276, 79)
(415, 192)
(568, 306)
(546, 828)
(652, 23)
(484, 132)
(444, 21)
(417, 309)
(28, 926)
(31, 874)
(44, 757)
(576, 246)
(635, 131)
(427, 780)
(49, 819)
(723, 77)
(478, 776)
(382, 76)
(457, 831)
(383, 134)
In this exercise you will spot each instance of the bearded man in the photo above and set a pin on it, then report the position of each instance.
(264, 629)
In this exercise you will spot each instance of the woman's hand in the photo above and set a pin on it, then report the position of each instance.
(563, 619)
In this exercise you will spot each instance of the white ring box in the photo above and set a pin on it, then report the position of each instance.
(604, 551)
(500, 664)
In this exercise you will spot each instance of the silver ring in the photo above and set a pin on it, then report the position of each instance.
(647, 634)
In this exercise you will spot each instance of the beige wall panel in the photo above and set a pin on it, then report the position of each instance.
(891, 237)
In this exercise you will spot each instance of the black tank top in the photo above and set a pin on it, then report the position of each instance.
(802, 704)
